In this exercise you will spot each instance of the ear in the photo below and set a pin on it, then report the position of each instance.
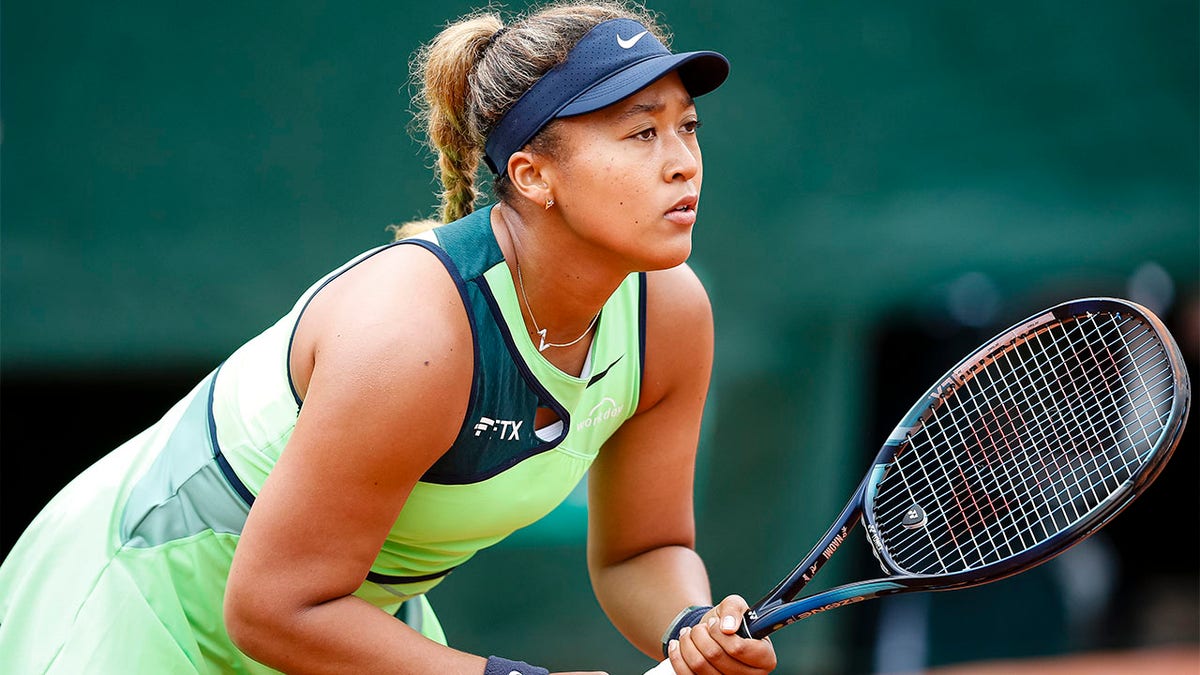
(530, 175)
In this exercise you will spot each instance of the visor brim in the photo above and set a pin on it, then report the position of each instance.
(701, 72)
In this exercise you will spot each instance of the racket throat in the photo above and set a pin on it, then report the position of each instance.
(790, 587)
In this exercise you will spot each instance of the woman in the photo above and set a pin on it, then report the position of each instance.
(428, 398)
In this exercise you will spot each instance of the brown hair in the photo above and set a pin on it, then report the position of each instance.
(472, 73)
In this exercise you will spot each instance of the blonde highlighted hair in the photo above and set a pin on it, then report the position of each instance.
(472, 73)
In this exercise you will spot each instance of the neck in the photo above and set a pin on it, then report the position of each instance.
(560, 288)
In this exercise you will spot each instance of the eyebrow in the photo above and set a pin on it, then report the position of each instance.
(656, 106)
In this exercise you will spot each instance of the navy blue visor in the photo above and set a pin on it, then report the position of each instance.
(616, 59)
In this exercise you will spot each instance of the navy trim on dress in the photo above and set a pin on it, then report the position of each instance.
(461, 285)
(226, 470)
(378, 578)
(642, 327)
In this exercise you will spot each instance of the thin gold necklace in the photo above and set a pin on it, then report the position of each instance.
(541, 332)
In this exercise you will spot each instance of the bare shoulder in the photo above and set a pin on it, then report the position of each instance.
(389, 313)
(677, 294)
(679, 335)
(405, 282)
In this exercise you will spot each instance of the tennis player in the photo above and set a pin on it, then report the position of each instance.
(428, 398)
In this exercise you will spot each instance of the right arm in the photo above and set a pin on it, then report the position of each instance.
(382, 359)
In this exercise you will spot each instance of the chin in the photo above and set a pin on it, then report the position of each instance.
(669, 255)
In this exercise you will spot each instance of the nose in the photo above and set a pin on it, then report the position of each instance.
(682, 160)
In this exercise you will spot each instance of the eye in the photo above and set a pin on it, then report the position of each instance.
(646, 134)
(691, 126)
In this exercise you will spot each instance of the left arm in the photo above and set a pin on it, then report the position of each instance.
(641, 530)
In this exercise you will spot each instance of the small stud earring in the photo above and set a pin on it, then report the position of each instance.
(549, 202)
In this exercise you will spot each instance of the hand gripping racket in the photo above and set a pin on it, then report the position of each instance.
(1025, 448)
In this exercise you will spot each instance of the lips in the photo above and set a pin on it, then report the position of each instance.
(683, 213)
(688, 203)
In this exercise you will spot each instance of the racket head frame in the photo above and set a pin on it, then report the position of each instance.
(780, 607)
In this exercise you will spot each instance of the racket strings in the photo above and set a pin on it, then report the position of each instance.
(988, 504)
(1022, 528)
(1097, 421)
(1085, 462)
(974, 505)
(1027, 444)
(982, 426)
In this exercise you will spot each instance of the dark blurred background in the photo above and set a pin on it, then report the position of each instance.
(886, 185)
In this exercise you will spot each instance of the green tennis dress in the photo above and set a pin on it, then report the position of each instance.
(124, 571)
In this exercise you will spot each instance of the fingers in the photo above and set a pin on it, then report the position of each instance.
(713, 647)
(678, 663)
(731, 611)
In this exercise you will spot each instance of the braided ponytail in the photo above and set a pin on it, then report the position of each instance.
(446, 66)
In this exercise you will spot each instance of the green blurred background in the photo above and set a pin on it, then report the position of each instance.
(887, 184)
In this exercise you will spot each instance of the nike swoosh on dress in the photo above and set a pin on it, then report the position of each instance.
(596, 378)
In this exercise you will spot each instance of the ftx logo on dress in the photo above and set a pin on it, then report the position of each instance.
(509, 430)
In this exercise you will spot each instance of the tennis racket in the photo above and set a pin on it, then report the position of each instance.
(1029, 445)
